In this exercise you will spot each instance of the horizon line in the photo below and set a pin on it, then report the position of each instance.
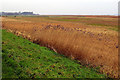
(58, 13)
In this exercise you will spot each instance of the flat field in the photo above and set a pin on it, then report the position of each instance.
(93, 40)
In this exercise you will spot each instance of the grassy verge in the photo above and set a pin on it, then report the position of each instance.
(24, 59)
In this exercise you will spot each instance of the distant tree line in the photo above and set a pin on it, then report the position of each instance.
(17, 13)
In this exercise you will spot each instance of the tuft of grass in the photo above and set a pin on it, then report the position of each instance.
(24, 59)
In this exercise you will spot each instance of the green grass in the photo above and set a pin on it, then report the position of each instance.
(24, 59)
(114, 28)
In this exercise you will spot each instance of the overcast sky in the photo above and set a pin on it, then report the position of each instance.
(75, 7)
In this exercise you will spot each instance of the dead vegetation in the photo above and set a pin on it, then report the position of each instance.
(90, 45)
